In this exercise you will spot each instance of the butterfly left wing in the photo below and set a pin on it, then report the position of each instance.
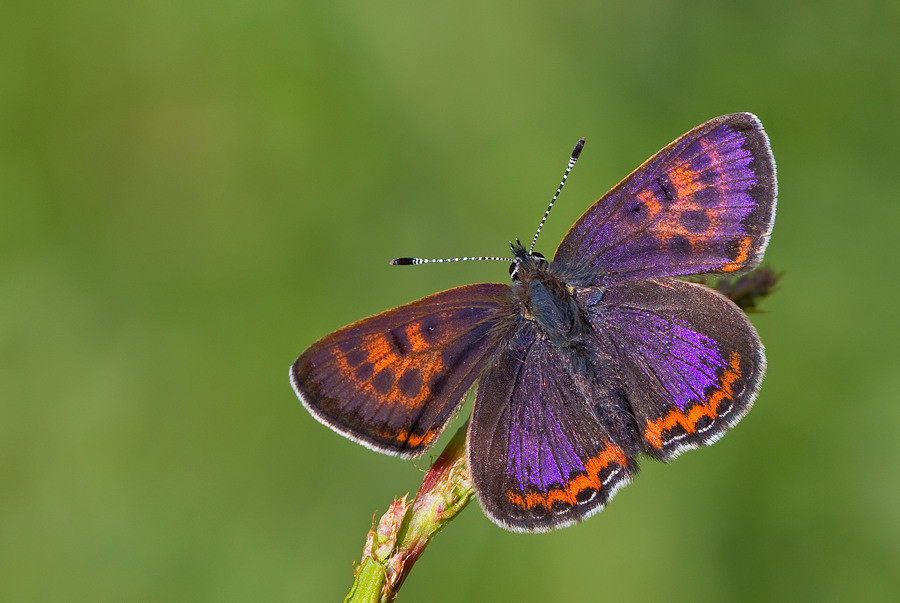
(541, 458)
(703, 204)
(690, 361)
(392, 381)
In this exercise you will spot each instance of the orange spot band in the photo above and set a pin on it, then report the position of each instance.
(743, 252)
(685, 181)
(380, 354)
(654, 430)
(589, 479)
(411, 439)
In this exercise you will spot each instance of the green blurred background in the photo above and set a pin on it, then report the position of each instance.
(192, 192)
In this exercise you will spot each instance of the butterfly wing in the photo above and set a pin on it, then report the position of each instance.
(392, 381)
(703, 204)
(541, 458)
(690, 361)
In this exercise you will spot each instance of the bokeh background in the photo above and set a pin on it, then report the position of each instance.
(192, 192)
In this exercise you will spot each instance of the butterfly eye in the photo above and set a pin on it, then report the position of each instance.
(541, 261)
(513, 271)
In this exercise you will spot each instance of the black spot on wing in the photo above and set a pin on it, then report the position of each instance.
(695, 221)
(666, 188)
(410, 383)
(400, 341)
(364, 371)
(383, 381)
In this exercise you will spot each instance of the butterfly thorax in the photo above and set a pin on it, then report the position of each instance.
(545, 299)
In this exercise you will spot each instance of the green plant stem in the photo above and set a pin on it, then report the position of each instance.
(398, 539)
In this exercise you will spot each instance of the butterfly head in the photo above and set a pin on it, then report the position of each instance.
(525, 263)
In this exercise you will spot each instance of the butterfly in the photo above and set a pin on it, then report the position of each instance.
(585, 361)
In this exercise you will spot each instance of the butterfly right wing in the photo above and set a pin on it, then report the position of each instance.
(689, 360)
(392, 381)
(703, 204)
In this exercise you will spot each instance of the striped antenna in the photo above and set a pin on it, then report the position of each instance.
(575, 153)
(416, 261)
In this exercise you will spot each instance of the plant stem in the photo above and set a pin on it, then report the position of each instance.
(400, 537)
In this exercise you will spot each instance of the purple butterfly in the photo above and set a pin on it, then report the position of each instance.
(585, 361)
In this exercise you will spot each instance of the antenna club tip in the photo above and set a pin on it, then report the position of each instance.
(402, 262)
(578, 146)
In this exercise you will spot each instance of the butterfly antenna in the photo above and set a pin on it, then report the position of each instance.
(575, 153)
(416, 261)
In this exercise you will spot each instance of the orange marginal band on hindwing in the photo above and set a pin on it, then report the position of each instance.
(692, 361)
(580, 487)
(688, 420)
(540, 455)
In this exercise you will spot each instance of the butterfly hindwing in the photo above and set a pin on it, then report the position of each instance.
(703, 204)
(690, 361)
(540, 456)
(393, 380)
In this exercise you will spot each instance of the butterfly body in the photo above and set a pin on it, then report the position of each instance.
(583, 362)
(545, 298)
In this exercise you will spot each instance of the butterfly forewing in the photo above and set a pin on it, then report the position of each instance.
(703, 204)
(690, 361)
(393, 380)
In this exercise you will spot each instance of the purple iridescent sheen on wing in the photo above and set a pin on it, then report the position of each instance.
(693, 359)
(691, 362)
(704, 204)
(540, 456)
(541, 453)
